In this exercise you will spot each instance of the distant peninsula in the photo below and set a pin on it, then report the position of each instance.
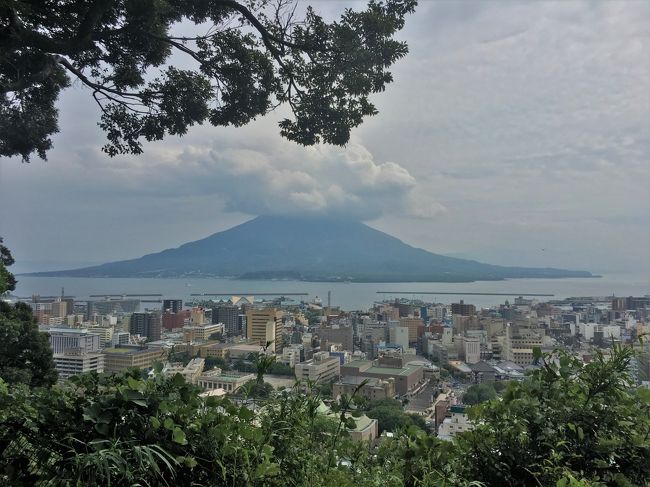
(309, 249)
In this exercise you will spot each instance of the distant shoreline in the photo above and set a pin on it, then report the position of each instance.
(350, 280)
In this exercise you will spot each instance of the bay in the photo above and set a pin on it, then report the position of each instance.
(349, 296)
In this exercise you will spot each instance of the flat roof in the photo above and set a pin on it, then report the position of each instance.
(127, 350)
(362, 423)
(407, 370)
(358, 363)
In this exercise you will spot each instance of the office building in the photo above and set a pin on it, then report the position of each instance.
(373, 389)
(337, 334)
(172, 305)
(75, 351)
(463, 309)
(264, 326)
(229, 316)
(406, 376)
(69, 364)
(322, 368)
(121, 358)
(201, 333)
(75, 340)
(146, 325)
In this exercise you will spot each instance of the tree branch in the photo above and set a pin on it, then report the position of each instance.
(25, 82)
(267, 37)
(95, 86)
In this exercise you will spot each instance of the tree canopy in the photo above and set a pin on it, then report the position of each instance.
(244, 58)
(565, 424)
(479, 393)
(25, 352)
(7, 279)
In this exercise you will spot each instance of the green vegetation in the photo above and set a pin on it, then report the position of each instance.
(390, 416)
(212, 362)
(253, 55)
(25, 353)
(7, 279)
(565, 419)
(566, 424)
(479, 393)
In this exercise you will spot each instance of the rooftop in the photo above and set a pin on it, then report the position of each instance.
(127, 350)
(407, 370)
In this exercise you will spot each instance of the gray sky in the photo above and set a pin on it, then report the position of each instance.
(515, 133)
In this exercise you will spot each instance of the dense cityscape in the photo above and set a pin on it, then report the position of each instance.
(428, 359)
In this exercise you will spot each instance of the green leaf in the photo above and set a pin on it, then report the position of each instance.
(178, 436)
(134, 383)
(169, 423)
(155, 422)
(644, 394)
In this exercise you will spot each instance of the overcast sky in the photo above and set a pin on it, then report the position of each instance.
(515, 133)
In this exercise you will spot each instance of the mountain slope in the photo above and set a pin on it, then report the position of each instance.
(309, 249)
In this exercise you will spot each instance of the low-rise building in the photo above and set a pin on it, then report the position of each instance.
(69, 364)
(118, 359)
(407, 377)
(321, 369)
(191, 372)
(201, 332)
(229, 381)
(454, 424)
(374, 389)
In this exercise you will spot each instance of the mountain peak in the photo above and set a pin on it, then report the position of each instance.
(308, 248)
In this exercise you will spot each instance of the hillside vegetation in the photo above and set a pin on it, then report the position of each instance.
(566, 424)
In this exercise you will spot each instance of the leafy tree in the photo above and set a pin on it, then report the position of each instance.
(281, 369)
(212, 362)
(25, 353)
(257, 390)
(390, 415)
(479, 393)
(567, 419)
(7, 279)
(251, 56)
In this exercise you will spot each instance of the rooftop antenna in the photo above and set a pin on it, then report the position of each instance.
(62, 293)
(329, 299)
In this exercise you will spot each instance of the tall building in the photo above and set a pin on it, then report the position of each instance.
(399, 335)
(229, 316)
(75, 351)
(337, 334)
(413, 325)
(75, 340)
(463, 309)
(146, 324)
(172, 305)
(59, 309)
(171, 320)
(469, 349)
(265, 325)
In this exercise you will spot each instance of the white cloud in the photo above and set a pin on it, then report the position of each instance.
(508, 124)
